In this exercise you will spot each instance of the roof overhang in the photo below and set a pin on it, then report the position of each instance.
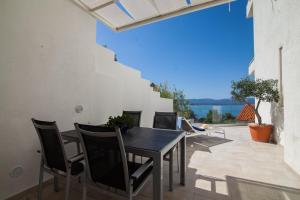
(251, 68)
(121, 15)
(249, 11)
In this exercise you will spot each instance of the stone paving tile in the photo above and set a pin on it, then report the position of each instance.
(209, 171)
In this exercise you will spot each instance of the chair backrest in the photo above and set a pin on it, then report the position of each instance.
(104, 155)
(53, 151)
(186, 125)
(165, 120)
(136, 117)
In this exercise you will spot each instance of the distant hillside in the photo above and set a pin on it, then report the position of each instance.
(217, 101)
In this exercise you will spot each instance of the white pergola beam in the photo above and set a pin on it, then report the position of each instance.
(141, 18)
(175, 13)
(101, 6)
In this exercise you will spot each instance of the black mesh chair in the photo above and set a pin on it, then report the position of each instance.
(168, 120)
(136, 117)
(54, 159)
(106, 163)
(165, 120)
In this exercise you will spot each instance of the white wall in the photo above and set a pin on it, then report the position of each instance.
(277, 24)
(49, 63)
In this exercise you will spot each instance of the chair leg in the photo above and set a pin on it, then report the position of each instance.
(171, 171)
(68, 183)
(178, 159)
(84, 188)
(130, 191)
(40, 182)
(55, 184)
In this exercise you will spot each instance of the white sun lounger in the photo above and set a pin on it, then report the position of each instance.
(192, 130)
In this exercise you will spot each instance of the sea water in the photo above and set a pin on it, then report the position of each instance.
(202, 110)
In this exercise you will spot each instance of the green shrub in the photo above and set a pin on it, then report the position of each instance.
(123, 121)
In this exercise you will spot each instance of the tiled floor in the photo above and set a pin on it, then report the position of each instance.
(237, 169)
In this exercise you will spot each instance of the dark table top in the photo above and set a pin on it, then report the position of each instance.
(143, 138)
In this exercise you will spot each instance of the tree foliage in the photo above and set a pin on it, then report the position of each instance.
(262, 90)
(165, 91)
(180, 103)
(228, 116)
(209, 118)
(120, 121)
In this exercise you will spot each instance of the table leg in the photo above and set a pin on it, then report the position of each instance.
(158, 177)
(171, 171)
(182, 160)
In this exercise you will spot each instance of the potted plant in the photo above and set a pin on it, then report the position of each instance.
(124, 122)
(262, 90)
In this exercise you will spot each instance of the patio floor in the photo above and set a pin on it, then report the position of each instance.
(236, 168)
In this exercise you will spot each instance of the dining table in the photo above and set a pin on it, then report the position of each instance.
(152, 143)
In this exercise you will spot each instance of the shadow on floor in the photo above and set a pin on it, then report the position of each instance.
(209, 190)
(230, 187)
(204, 142)
(244, 189)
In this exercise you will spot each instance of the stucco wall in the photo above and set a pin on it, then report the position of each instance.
(277, 24)
(49, 63)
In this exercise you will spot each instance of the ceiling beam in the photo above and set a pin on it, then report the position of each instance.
(101, 6)
(181, 11)
(83, 6)
(175, 13)
(154, 5)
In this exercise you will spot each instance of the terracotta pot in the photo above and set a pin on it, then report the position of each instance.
(260, 133)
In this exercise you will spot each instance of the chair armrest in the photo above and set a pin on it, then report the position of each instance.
(76, 158)
(141, 170)
(68, 141)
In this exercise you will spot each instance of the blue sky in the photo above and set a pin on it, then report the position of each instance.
(200, 53)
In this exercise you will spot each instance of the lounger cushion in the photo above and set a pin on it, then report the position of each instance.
(198, 129)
